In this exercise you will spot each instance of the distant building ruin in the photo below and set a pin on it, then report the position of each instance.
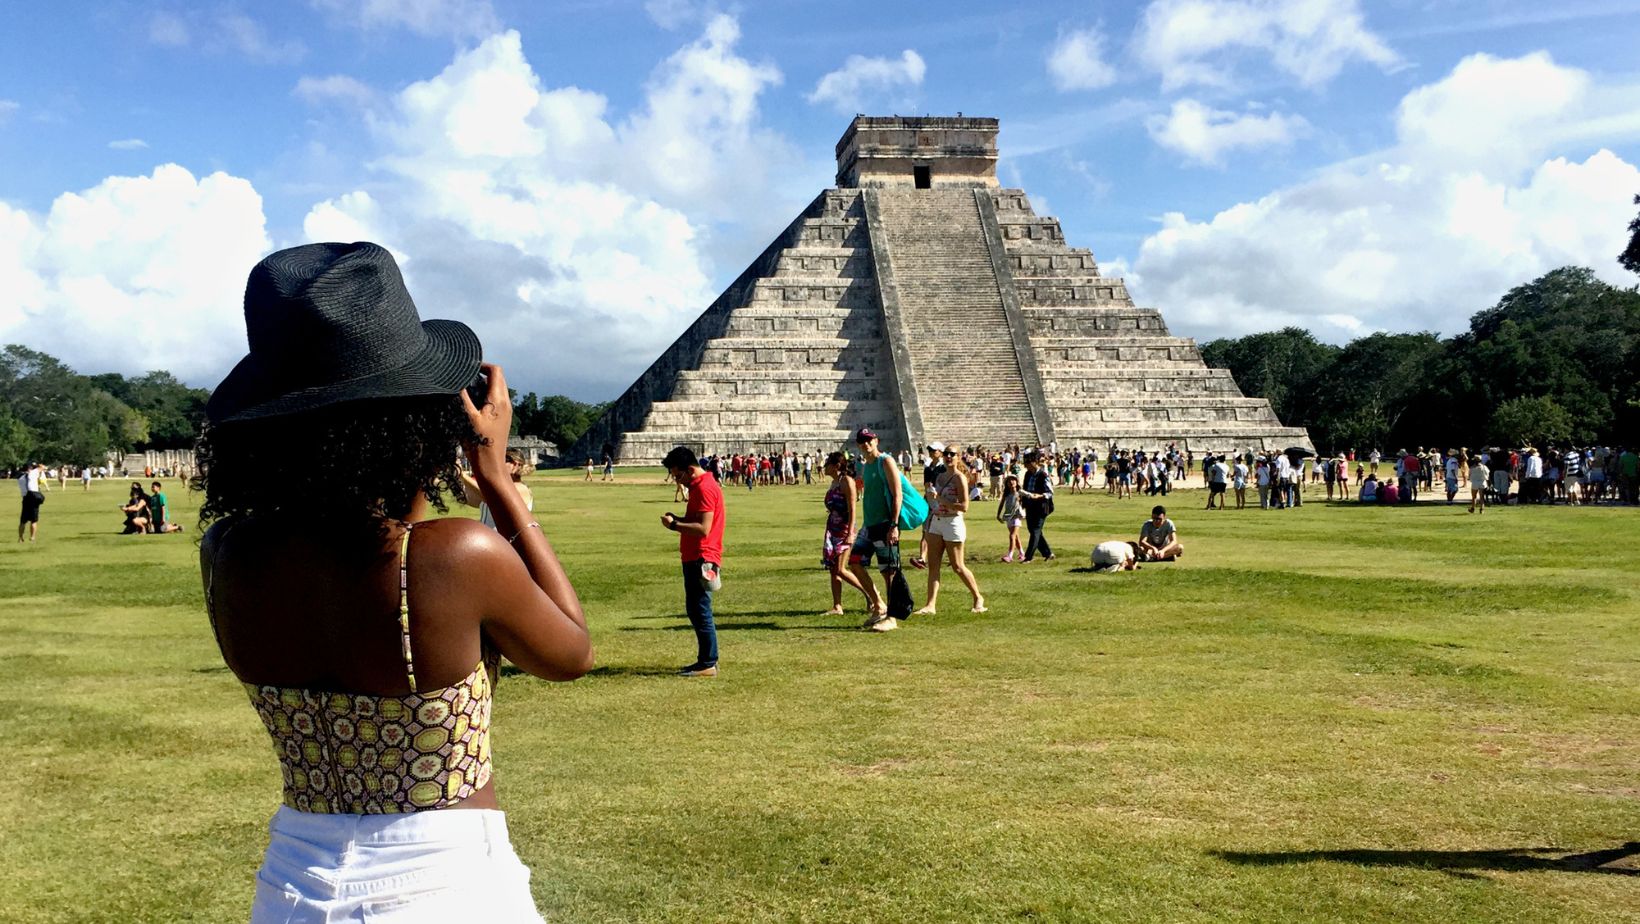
(924, 301)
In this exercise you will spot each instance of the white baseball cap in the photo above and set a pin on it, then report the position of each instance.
(936, 446)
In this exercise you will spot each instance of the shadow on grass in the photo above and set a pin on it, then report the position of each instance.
(684, 626)
(1456, 862)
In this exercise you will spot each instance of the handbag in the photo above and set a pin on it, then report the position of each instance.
(900, 603)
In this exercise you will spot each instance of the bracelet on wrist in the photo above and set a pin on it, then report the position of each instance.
(531, 525)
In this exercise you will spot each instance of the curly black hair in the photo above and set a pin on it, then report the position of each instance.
(349, 466)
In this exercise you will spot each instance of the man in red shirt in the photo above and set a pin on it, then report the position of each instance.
(700, 545)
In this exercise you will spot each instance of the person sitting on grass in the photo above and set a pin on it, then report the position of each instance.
(1369, 490)
(136, 511)
(1116, 555)
(157, 521)
(1158, 538)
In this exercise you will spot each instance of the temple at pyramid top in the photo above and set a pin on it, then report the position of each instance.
(921, 299)
(921, 152)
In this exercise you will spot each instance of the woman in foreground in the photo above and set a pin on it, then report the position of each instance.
(366, 635)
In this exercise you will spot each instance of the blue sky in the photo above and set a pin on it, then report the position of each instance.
(578, 180)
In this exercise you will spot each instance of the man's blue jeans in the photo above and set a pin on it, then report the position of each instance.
(697, 603)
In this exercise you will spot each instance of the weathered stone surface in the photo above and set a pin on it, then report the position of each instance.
(923, 301)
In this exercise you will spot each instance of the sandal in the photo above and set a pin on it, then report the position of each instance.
(925, 611)
(834, 611)
(979, 606)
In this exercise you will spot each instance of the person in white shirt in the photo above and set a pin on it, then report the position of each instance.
(1479, 479)
(1238, 480)
(1283, 481)
(32, 487)
(1531, 480)
(1116, 555)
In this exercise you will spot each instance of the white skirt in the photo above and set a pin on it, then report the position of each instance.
(443, 865)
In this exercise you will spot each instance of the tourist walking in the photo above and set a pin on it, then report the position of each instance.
(885, 496)
(1036, 493)
(700, 546)
(1238, 478)
(30, 486)
(947, 532)
(841, 503)
(1479, 476)
(348, 613)
(1011, 513)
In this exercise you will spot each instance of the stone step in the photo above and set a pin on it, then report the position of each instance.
(825, 263)
(1087, 321)
(1051, 262)
(774, 417)
(858, 293)
(655, 444)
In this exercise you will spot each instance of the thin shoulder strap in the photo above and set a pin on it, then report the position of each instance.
(404, 606)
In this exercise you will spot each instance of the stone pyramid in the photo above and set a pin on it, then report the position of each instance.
(920, 299)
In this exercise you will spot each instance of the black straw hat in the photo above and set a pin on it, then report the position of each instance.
(329, 323)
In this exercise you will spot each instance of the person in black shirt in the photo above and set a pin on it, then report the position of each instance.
(1037, 496)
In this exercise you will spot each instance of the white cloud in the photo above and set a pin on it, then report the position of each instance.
(458, 19)
(225, 31)
(1422, 235)
(136, 273)
(337, 88)
(1505, 113)
(168, 30)
(7, 107)
(1199, 41)
(245, 35)
(577, 245)
(862, 81)
(128, 144)
(1204, 135)
(672, 14)
(1076, 61)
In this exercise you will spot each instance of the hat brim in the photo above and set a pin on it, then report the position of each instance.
(447, 363)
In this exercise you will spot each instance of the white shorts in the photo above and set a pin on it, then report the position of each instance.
(951, 529)
(441, 865)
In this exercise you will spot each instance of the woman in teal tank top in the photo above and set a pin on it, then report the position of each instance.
(880, 499)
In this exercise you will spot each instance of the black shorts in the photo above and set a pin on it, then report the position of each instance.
(31, 508)
(1216, 487)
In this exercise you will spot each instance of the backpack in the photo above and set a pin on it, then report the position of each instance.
(913, 506)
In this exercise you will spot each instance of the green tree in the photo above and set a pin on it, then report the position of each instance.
(1279, 365)
(1531, 421)
(1363, 398)
(16, 441)
(1630, 257)
(67, 417)
(554, 418)
(174, 412)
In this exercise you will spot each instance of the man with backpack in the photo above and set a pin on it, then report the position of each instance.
(888, 503)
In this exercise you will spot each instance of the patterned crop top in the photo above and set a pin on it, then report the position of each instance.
(375, 755)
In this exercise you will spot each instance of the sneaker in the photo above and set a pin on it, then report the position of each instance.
(885, 624)
(696, 670)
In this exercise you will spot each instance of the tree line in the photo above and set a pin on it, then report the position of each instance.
(52, 414)
(1556, 360)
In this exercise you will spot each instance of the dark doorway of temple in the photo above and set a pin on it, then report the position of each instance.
(923, 177)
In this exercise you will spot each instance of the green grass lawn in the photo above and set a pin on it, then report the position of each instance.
(1330, 713)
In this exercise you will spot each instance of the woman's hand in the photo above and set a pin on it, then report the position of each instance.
(492, 421)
